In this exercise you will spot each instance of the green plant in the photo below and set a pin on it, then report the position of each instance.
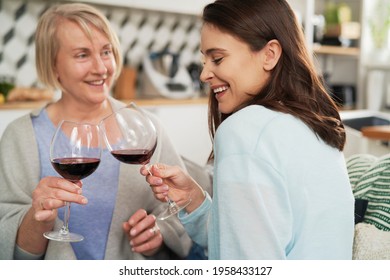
(380, 24)
(6, 87)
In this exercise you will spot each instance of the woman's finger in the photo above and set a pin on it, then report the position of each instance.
(153, 240)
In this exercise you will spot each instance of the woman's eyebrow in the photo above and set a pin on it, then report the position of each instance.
(213, 50)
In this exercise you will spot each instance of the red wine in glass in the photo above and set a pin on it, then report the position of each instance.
(134, 156)
(75, 169)
(131, 137)
(75, 153)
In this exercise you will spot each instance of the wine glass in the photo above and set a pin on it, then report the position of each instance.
(75, 153)
(131, 137)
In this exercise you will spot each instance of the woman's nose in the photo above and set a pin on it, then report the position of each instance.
(206, 74)
(99, 66)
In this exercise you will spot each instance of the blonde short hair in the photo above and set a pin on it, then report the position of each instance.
(46, 41)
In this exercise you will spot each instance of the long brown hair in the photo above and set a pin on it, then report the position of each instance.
(294, 86)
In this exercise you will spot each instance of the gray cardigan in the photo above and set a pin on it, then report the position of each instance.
(20, 174)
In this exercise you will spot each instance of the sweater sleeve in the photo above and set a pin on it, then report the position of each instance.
(196, 223)
(19, 173)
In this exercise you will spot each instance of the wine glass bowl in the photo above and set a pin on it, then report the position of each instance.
(131, 137)
(75, 152)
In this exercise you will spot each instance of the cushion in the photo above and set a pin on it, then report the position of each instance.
(370, 180)
(371, 243)
(357, 165)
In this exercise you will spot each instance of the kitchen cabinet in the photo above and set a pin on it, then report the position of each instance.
(358, 144)
(362, 141)
(187, 126)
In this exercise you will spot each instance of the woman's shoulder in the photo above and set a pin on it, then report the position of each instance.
(256, 117)
(243, 129)
(19, 125)
(258, 123)
(17, 136)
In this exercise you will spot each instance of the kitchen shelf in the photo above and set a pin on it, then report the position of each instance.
(380, 67)
(336, 50)
(139, 101)
(22, 105)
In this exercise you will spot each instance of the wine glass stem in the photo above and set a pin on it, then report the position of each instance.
(172, 205)
(65, 228)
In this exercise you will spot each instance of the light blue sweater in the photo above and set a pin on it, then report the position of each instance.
(279, 193)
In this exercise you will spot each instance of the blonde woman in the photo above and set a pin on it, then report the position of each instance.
(78, 53)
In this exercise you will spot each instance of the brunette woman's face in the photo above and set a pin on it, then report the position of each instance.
(233, 71)
(85, 67)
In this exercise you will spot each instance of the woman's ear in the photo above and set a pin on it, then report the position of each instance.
(55, 72)
(273, 51)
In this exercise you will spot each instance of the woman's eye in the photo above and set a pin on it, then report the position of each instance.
(217, 60)
(107, 52)
(81, 55)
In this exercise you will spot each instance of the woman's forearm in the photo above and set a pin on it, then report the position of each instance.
(30, 234)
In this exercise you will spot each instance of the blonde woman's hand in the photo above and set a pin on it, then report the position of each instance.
(143, 233)
(51, 194)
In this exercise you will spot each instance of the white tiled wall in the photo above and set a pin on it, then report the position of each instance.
(139, 31)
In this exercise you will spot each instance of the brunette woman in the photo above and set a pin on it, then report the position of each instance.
(281, 188)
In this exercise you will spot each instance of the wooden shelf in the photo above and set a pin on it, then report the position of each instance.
(336, 50)
(380, 67)
(20, 105)
(167, 101)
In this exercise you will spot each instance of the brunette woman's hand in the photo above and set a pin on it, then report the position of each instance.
(143, 233)
(173, 181)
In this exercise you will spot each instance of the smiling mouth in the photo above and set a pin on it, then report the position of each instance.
(220, 89)
(96, 83)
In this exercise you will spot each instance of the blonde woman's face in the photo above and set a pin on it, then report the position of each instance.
(85, 68)
(233, 71)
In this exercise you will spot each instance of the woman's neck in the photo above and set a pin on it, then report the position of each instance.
(78, 112)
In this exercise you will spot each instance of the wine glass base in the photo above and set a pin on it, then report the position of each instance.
(172, 210)
(68, 237)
